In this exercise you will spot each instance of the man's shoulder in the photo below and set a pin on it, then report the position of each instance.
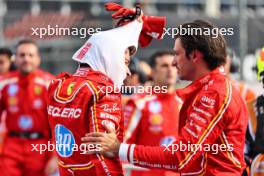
(94, 77)
(43, 72)
(58, 78)
(217, 93)
(43, 78)
(9, 78)
(66, 88)
(229, 97)
(9, 75)
(219, 84)
(92, 81)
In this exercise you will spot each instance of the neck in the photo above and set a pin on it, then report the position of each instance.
(25, 73)
(200, 72)
(171, 89)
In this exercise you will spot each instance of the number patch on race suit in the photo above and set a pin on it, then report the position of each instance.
(65, 141)
(167, 140)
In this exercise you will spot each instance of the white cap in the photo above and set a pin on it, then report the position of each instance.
(104, 51)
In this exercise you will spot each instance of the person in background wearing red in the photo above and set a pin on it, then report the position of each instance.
(24, 99)
(213, 117)
(232, 68)
(5, 64)
(154, 118)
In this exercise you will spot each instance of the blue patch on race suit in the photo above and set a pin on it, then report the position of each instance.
(25, 122)
(37, 103)
(155, 107)
(65, 141)
(12, 90)
(167, 140)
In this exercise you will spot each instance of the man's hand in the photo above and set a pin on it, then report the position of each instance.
(108, 142)
(124, 15)
(153, 26)
(51, 166)
(119, 11)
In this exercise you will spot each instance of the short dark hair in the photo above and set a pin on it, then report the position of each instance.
(27, 41)
(6, 51)
(153, 57)
(84, 65)
(212, 47)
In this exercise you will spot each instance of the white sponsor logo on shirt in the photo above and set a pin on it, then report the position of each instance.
(108, 108)
(108, 116)
(207, 102)
(108, 124)
(64, 112)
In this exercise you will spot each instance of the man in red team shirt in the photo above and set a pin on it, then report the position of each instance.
(153, 121)
(89, 99)
(24, 98)
(5, 64)
(213, 117)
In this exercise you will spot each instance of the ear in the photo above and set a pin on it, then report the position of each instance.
(196, 56)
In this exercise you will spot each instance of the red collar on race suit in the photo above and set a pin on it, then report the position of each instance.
(187, 91)
(88, 74)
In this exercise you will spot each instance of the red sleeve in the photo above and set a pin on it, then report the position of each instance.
(121, 129)
(133, 116)
(204, 125)
(105, 110)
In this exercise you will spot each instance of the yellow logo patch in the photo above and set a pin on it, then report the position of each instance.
(12, 101)
(156, 119)
(70, 88)
(37, 90)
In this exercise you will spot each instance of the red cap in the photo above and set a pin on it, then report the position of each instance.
(153, 27)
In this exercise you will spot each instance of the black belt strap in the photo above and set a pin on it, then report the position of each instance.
(26, 135)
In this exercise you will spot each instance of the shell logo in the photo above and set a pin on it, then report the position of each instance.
(12, 101)
(156, 119)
